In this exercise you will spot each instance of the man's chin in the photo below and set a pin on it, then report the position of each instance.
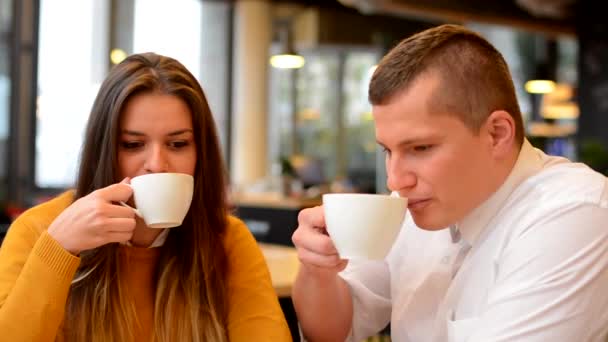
(427, 223)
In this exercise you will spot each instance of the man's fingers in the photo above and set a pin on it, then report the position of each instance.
(314, 217)
(315, 248)
(325, 261)
(342, 265)
(314, 240)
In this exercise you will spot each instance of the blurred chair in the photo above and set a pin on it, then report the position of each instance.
(5, 222)
(308, 169)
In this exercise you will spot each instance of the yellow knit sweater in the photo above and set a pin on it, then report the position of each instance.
(36, 272)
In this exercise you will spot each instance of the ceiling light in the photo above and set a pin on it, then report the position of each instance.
(539, 86)
(287, 61)
(117, 56)
(545, 67)
(286, 58)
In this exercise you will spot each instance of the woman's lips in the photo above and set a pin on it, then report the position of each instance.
(417, 204)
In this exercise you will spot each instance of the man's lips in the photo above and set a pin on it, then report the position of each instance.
(416, 204)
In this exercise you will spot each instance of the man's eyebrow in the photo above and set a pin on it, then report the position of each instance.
(411, 141)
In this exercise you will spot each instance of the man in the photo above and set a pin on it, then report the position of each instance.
(501, 242)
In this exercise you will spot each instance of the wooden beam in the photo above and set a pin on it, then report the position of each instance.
(455, 13)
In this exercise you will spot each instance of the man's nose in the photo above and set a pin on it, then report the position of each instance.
(156, 160)
(400, 177)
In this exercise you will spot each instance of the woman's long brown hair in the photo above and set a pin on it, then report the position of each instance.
(190, 303)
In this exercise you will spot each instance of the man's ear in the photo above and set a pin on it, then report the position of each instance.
(501, 130)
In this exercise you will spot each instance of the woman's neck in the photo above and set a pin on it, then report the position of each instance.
(144, 236)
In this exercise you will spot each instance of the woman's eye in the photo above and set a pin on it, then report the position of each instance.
(178, 143)
(131, 145)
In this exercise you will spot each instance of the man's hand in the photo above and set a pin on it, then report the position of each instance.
(321, 298)
(316, 251)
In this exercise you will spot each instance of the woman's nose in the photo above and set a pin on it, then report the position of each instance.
(156, 160)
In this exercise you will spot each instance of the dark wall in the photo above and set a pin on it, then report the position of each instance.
(592, 31)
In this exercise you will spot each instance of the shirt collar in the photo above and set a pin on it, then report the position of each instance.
(528, 163)
(159, 241)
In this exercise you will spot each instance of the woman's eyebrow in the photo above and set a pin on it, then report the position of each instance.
(141, 134)
(179, 132)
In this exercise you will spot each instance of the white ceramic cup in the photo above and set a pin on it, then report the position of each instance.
(363, 226)
(162, 199)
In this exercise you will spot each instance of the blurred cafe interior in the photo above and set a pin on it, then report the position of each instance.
(287, 84)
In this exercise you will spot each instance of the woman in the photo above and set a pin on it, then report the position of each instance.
(81, 267)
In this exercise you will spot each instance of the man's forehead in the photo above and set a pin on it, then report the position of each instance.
(409, 130)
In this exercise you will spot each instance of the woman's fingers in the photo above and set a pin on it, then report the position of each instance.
(120, 224)
(118, 237)
(119, 211)
(115, 192)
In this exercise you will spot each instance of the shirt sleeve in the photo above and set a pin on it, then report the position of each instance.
(369, 283)
(551, 282)
(254, 313)
(35, 277)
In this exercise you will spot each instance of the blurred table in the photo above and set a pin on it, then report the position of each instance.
(283, 264)
(273, 200)
(271, 217)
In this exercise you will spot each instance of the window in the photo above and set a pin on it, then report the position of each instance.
(72, 62)
(177, 34)
(196, 33)
(321, 113)
(317, 110)
(360, 147)
(74, 59)
(5, 28)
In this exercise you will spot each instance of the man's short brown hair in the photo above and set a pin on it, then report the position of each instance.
(475, 79)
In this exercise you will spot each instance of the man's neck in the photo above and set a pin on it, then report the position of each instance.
(505, 167)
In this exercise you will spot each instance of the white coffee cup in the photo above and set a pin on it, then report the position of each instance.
(363, 226)
(162, 199)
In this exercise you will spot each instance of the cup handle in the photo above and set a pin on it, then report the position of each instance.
(128, 206)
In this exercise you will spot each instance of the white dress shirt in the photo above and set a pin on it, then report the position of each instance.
(534, 265)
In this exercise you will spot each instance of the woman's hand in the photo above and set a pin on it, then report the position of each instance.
(95, 220)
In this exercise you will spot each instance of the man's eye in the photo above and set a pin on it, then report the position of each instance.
(422, 148)
(130, 145)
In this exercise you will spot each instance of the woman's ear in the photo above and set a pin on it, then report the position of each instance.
(501, 129)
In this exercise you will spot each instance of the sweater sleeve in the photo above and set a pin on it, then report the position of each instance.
(254, 313)
(35, 277)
